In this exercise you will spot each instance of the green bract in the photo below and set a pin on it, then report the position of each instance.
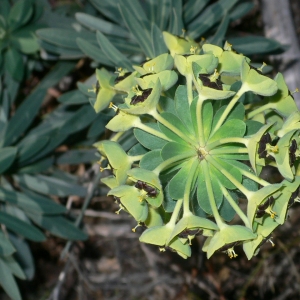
(199, 146)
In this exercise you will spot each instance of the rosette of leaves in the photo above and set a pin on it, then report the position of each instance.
(18, 23)
(200, 148)
(30, 171)
(135, 29)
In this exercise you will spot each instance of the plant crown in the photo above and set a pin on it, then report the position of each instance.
(203, 136)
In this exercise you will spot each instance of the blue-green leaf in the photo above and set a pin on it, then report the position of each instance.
(31, 201)
(112, 53)
(50, 185)
(108, 8)
(7, 157)
(5, 8)
(148, 140)
(255, 45)
(177, 183)
(151, 160)
(20, 14)
(14, 63)
(64, 37)
(218, 38)
(182, 107)
(6, 248)
(176, 23)
(8, 282)
(232, 128)
(14, 267)
(20, 227)
(192, 9)
(93, 52)
(58, 226)
(31, 145)
(138, 25)
(75, 156)
(158, 44)
(103, 26)
(210, 16)
(241, 9)
(23, 255)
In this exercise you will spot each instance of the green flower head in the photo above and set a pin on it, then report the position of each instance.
(229, 235)
(159, 235)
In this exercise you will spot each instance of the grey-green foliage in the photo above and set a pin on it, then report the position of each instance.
(29, 174)
(18, 23)
(135, 28)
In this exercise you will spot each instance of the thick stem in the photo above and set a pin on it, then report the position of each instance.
(200, 121)
(200, 102)
(170, 126)
(220, 142)
(220, 151)
(116, 137)
(253, 177)
(235, 206)
(229, 107)
(188, 187)
(245, 191)
(258, 110)
(211, 197)
(175, 213)
(152, 131)
(189, 84)
(175, 159)
(134, 158)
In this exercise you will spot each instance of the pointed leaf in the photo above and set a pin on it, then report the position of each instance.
(148, 140)
(103, 26)
(210, 16)
(172, 149)
(59, 226)
(20, 14)
(158, 44)
(255, 45)
(232, 128)
(64, 37)
(50, 185)
(31, 202)
(93, 52)
(192, 9)
(112, 53)
(218, 38)
(14, 63)
(6, 248)
(23, 255)
(151, 160)
(182, 107)
(177, 183)
(31, 145)
(8, 282)
(20, 227)
(7, 157)
(138, 24)
(14, 267)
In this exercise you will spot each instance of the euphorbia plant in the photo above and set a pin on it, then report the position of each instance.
(202, 140)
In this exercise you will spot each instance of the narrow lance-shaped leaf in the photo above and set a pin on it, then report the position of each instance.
(8, 282)
(112, 53)
(20, 227)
